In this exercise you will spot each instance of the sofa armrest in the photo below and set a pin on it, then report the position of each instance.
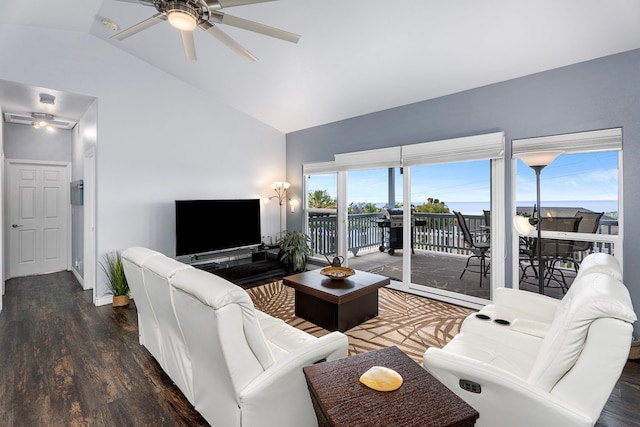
(533, 306)
(329, 347)
(504, 399)
(281, 391)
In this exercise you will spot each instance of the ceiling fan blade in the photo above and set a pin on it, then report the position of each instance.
(189, 45)
(256, 27)
(231, 3)
(228, 41)
(143, 2)
(159, 17)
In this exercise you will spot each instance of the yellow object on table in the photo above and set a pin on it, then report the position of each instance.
(381, 379)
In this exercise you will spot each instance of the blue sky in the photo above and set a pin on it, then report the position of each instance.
(571, 177)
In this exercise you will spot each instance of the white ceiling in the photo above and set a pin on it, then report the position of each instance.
(358, 56)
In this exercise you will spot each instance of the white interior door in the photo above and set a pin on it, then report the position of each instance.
(37, 218)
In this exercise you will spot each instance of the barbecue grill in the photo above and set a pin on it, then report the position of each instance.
(391, 224)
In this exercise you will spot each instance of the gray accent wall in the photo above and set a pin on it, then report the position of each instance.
(598, 94)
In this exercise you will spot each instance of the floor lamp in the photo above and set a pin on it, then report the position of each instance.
(536, 161)
(280, 187)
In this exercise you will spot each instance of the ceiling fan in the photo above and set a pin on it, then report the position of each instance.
(186, 15)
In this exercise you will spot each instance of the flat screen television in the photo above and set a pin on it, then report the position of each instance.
(204, 226)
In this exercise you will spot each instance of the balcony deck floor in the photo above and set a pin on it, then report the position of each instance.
(442, 271)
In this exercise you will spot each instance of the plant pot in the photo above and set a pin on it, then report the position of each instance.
(120, 300)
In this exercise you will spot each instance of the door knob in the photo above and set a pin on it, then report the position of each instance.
(16, 225)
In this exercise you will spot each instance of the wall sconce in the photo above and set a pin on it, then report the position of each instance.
(292, 204)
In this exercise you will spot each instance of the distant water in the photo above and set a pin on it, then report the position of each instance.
(476, 208)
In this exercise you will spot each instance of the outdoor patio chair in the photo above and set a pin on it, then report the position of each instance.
(479, 248)
(486, 228)
(590, 223)
(554, 251)
(487, 218)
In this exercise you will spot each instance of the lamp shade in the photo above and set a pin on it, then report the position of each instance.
(522, 225)
(280, 184)
(539, 158)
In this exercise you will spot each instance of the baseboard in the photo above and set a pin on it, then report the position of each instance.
(108, 299)
(79, 278)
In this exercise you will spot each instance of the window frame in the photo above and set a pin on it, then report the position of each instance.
(477, 147)
(602, 140)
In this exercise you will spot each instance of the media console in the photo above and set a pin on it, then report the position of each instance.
(241, 266)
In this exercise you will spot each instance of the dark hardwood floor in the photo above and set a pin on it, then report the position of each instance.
(65, 362)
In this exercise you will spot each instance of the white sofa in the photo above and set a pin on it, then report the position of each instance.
(236, 365)
(554, 363)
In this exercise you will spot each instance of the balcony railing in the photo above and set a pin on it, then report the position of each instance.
(440, 234)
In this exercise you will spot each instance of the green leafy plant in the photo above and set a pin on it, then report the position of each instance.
(295, 250)
(114, 270)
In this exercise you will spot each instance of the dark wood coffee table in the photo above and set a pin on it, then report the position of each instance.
(336, 305)
(339, 399)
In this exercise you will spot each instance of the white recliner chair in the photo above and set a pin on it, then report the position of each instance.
(549, 362)
(148, 273)
(237, 365)
(174, 355)
(247, 365)
(148, 329)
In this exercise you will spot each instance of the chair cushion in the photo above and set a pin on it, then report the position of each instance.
(497, 353)
(281, 337)
(593, 296)
(218, 293)
(600, 263)
(138, 255)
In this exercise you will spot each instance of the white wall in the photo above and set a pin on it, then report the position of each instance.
(84, 152)
(25, 142)
(158, 139)
(1, 210)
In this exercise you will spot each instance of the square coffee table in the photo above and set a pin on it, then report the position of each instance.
(336, 305)
(339, 399)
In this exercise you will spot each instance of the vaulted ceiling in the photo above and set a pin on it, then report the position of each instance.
(357, 56)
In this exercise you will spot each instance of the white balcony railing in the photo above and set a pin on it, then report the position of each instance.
(440, 234)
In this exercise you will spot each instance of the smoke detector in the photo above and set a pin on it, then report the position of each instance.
(45, 98)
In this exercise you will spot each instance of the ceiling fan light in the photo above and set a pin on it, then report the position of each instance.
(182, 16)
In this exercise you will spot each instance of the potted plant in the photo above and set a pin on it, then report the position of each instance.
(295, 250)
(116, 279)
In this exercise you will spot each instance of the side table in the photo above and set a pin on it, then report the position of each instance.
(339, 399)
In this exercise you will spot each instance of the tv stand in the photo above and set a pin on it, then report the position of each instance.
(241, 266)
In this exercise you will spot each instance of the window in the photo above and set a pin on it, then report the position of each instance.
(387, 163)
(584, 181)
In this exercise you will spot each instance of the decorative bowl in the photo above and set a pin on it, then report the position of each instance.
(337, 273)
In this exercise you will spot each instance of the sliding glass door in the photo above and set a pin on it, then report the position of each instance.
(393, 214)
(450, 256)
(321, 211)
(374, 221)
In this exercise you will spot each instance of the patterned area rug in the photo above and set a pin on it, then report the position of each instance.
(410, 322)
